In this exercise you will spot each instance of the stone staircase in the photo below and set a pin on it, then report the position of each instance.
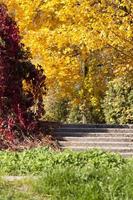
(114, 138)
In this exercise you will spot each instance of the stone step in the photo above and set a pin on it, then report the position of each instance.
(95, 144)
(95, 139)
(126, 154)
(105, 148)
(96, 126)
(92, 134)
(95, 130)
(79, 137)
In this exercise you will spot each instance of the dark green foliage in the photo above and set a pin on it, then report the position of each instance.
(75, 115)
(118, 103)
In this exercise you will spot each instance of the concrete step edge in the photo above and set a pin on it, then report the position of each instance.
(94, 130)
(65, 138)
(81, 134)
(118, 149)
(99, 125)
(99, 142)
(126, 154)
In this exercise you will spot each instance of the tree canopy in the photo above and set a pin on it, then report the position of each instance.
(65, 36)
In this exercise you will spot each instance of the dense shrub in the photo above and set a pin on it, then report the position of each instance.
(118, 103)
(65, 111)
(16, 68)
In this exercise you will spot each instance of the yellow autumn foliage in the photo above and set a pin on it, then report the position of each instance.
(64, 34)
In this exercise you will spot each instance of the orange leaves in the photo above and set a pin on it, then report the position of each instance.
(63, 33)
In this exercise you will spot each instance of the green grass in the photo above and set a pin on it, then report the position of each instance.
(37, 161)
(87, 184)
(18, 190)
(75, 183)
(93, 175)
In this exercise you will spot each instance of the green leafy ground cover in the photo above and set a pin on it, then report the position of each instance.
(38, 160)
(93, 175)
